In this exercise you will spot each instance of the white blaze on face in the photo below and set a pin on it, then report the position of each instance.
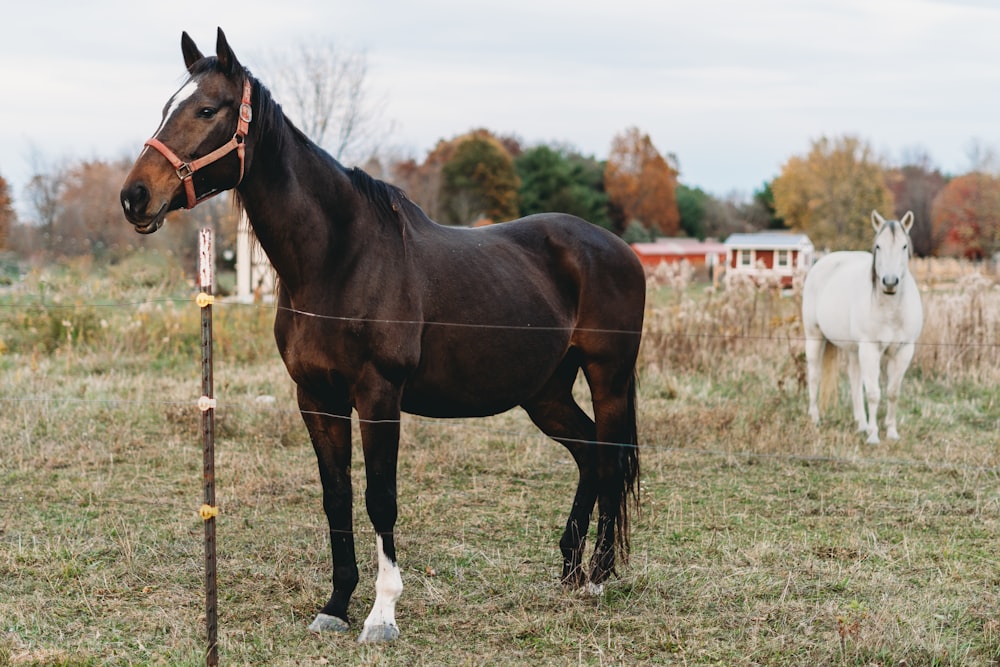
(181, 96)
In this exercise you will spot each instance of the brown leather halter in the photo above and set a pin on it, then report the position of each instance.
(185, 170)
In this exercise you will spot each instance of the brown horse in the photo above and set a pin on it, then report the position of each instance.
(383, 311)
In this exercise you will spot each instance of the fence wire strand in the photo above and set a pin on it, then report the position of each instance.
(465, 423)
(474, 423)
(473, 325)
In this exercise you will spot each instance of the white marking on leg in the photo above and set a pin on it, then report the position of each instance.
(595, 589)
(381, 622)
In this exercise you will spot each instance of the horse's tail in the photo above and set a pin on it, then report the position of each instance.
(629, 462)
(828, 376)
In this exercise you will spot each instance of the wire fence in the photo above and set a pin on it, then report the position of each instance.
(178, 301)
(786, 337)
(475, 424)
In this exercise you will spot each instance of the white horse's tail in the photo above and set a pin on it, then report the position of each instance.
(828, 377)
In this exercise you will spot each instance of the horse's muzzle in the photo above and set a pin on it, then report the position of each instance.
(135, 200)
(889, 284)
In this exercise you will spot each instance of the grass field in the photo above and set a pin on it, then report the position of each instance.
(762, 540)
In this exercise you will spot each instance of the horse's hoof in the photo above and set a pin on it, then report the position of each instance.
(892, 435)
(873, 439)
(327, 623)
(575, 579)
(379, 633)
(593, 589)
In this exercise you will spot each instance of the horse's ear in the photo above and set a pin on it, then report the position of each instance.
(907, 221)
(877, 220)
(190, 51)
(227, 59)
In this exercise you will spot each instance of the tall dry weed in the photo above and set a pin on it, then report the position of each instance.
(696, 328)
(701, 329)
(961, 335)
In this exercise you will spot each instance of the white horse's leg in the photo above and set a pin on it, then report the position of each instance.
(857, 393)
(814, 368)
(381, 622)
(869, 357)
(895, 369)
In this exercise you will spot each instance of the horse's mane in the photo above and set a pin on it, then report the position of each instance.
(388, 199)
(267, 114)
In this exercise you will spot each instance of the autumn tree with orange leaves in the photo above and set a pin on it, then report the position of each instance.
(479, 182)
(966, 216)
(830, 192)
(469, 176)
(643, 183)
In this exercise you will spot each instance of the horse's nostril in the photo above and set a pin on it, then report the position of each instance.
(134, 198)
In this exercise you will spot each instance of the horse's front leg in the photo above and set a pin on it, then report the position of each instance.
(895, 369)
(869, 357)
(378, 405)
(329, 424)
(857, 390)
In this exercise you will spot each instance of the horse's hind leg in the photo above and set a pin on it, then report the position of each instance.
(606, 455)
(814, 364)
(557, 414)
(613, 392)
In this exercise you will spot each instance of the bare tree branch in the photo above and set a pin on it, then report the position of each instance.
(324, 90)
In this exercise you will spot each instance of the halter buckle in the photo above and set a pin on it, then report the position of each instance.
(184, 172)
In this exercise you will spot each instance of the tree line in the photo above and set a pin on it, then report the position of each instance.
(480, 177)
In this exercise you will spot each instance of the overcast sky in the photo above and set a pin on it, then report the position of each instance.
(733, 88)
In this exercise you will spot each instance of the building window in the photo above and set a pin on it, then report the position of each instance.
(745, 259)
(782, 259)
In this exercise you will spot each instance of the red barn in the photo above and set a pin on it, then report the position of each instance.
(700, 254)
(767, 256)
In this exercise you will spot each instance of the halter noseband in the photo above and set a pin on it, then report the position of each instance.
(185, 170)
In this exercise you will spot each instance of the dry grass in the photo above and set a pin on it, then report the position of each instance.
(762, 539)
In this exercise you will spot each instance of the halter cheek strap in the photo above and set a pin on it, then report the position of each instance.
(185, 170)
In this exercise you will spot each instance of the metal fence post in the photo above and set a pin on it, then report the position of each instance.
(206, 263)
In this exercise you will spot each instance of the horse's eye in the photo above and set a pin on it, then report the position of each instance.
(207, 112)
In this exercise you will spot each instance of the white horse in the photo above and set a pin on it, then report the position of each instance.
(868, 305)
